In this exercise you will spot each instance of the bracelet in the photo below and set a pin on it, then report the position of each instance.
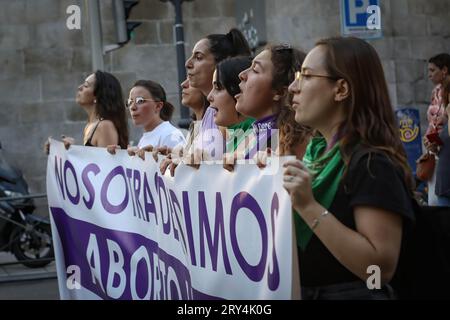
(317, 220)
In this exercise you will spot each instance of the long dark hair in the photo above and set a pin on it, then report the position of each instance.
(227, 45)
(159, 94)
(110, 104)
(286, 61)
(227, 72)
(370, 119)
(441, 60)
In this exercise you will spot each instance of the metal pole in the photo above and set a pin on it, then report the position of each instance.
(95, 29)
(181, 58)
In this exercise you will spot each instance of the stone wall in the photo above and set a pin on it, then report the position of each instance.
(42, 62)
(414, 31)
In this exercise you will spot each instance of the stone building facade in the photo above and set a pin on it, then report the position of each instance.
(42, 62)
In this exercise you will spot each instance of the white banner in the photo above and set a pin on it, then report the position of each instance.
(122, 230)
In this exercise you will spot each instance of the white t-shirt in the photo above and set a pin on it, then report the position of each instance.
(164, 134)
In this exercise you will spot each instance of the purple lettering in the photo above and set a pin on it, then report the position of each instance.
(177, 212)
(87, 183)
(188, 223)
(137, 190)
(129, 176)
(219, 230)
(59, 176)
(273, 278)
(149, 204)
(245, 200)
(159, 184)
(74, 199)
(172, 196)
(108, 206)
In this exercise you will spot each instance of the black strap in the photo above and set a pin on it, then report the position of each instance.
(88, 142)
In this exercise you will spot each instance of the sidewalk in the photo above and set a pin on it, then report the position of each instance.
(17, 272)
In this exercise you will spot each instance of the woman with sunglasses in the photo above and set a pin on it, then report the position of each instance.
(149, 109)
(353, 189)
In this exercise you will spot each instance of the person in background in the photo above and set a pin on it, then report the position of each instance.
(353, 189)
(438, 69)
(442, 189)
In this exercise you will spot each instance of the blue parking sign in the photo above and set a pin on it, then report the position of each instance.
(361, 18)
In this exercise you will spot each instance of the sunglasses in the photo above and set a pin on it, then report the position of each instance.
(138, 101)
(285, 47)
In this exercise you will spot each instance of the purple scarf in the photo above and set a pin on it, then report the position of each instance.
(263, 129)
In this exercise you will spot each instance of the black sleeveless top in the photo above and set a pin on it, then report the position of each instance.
(88, 142)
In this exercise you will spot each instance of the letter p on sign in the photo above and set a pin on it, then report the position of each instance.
(361, 19)
(357, 7)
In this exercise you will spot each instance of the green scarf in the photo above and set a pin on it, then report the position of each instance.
(237, 135)
(326, 170)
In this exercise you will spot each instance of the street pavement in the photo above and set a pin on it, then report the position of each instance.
(18, 282)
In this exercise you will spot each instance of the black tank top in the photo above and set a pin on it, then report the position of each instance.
(88, 142)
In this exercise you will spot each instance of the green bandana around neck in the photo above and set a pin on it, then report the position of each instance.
(326, 170)
(237, 135)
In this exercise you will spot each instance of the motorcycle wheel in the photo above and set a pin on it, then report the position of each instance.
(29, 246)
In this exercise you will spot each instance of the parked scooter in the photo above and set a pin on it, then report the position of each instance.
(25, 234)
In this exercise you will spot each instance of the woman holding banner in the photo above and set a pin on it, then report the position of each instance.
(150, 109)
(264, 96)
(100, 95)
(353, 189)
(206, 54)
(225, 86)
(442, 189)
(194, 99)
(221, 97)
